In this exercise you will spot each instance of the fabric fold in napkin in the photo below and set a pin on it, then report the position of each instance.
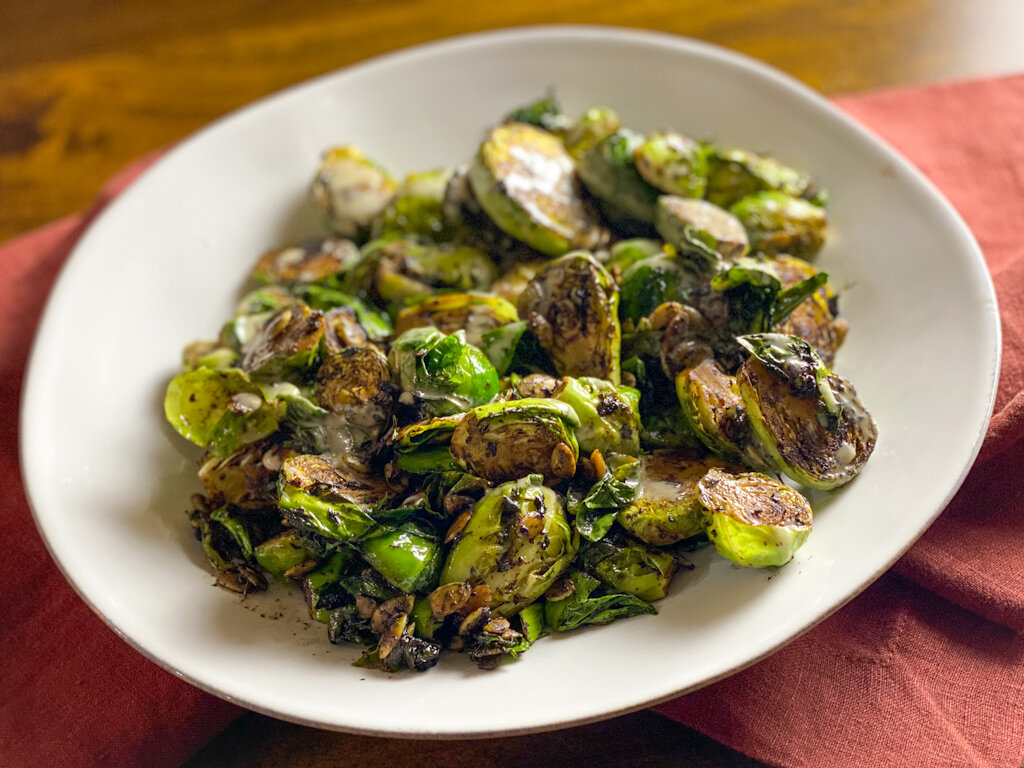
(925, 668)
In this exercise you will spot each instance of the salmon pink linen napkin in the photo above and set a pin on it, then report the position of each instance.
(925, 668)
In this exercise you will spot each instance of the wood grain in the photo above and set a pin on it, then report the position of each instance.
(87, 86)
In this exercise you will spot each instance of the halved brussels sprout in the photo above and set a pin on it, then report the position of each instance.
(608, 414)
(808, 420)
(441, 374)
(208, 354)
(246, 478)
(512, 282)
(418, 208)
(752, 519)
(354, 385)
(220, 409)
(714, 409)
(373, 324)
(392, 271)
(449, 312)
(699, 229)
(594, 126)
(524, 179)
(307, 262)
(571, 306)
(675, 164)
(608, 171)
(351, 190)
(623, 254)
(779, 223)
(667, 507)
(814, 319)
(287, 345)
(517, 542)
(630, 566)
(736, 173)
(505, 441)
(317, 496)
(686, 338)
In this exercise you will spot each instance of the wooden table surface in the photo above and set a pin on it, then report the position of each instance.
(86, 86)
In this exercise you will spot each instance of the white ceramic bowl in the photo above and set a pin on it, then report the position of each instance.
(109, 481)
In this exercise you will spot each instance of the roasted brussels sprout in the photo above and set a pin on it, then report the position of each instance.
(351, 190)
(675, 164)
(736, 173)
(287, 345)
(594, 126)
(418, 209)
(449, 312)
(317, 496)
(247, 478)
(220, 410)
(524, 179)
(307, 262)
(608, 414)
(814, 319)
(441, 374)
(667, 508)
(608, 171)
(512, 282)
(544, 113)
(354, 385)
(752, 519)
(513, 348)
(808, 420)
(506, 441)
(779, 223)
(392, 271)
(339, 309)
(685, 337)
(714, 409)
(700, 230)
(618, 479)
(571, 306)
(517, 542)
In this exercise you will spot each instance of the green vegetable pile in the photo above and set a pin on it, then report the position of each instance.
(506, 399)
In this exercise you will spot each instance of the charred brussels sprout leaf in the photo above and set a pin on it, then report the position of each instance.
(752, 519)
(282, 553)
(418, 209)
(808, 420)
(580, 609)
(513, 348)
(442, 374)
(648, 283)
(524, 179)
(408, 557)
(571, 306)
(517, 542)
(594, 126)
(630, 567)
(220, 410)
(596, 511)
(347, 625)
(426, 446)
(544, 113)
(509, 440)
